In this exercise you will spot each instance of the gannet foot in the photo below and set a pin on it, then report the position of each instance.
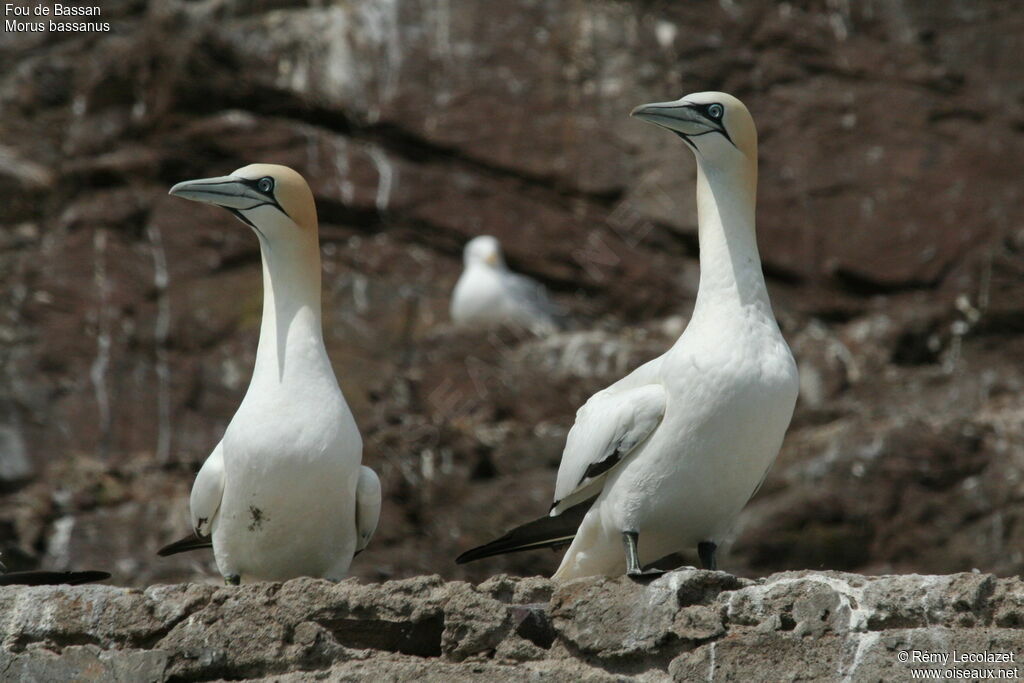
(233, 580)
(645, 574)
(706, 552)
(633, 568)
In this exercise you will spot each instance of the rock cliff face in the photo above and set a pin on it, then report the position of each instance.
(687, 625)
(890, 224)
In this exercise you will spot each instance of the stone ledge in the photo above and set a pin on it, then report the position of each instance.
(685, 625)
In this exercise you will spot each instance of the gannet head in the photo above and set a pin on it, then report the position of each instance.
(715, 124)
(273, 200)
(483, 250)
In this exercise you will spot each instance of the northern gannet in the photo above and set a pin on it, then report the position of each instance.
(283, 494)
(664, 459)
(489, 294)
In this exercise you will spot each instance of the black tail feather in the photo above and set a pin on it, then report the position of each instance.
(190, 542)
(546, 532)
(46, 578)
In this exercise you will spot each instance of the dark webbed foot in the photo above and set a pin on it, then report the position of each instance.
(646, 574)
(706, 552)
(233, 580)
(633, 568)
(629, 541)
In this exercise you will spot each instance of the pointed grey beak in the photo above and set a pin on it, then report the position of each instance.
(227, 191)
(679, 117)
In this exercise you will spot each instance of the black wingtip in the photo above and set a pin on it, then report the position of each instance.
(88, 576)
(184, 545)
(546, 532)
(514, 542)
(467, 556)
(481, 551)
(47, 578)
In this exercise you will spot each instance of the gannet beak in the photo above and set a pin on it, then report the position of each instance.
(679, 117)
(230, 192)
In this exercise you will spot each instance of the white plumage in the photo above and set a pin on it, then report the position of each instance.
(664, 459)
(284, 494)
(488, 294)
(693, 432)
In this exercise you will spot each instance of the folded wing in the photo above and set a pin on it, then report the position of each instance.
(608, 428)
(207, 492)
(204, 503)
(533, 298)
(368, 501)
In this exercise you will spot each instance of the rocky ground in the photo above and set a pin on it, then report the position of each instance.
(685, 626)
(889, 222)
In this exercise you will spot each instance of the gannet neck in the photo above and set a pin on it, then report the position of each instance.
(719, 130)
(291, 333)
(730, 265)
(277, 204)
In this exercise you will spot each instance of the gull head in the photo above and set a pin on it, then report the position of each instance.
(484, 250)
(716, 125)
(273, 200)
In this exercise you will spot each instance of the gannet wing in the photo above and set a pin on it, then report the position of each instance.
(368, 500)
(207, 492)
(204, 502)
(608, 428)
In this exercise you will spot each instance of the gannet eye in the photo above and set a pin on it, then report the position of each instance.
(715, 110)
(265, 184)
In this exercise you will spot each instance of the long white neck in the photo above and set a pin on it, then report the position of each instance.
(730, 266)
(291, 346)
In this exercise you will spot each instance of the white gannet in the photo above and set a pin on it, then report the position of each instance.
(489, 294)
(283, 494)
(664, 459)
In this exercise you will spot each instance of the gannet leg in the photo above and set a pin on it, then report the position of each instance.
(233, 580)
(633, 568)
(706, 552)
(629, 539)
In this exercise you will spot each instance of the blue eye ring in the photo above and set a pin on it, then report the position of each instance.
(266, 184)
(715, 110)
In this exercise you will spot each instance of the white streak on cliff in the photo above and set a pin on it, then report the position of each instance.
(386, 177)
(161, 280)
(100, 364)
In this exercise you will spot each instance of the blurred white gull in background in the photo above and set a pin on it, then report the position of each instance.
(488, 294)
